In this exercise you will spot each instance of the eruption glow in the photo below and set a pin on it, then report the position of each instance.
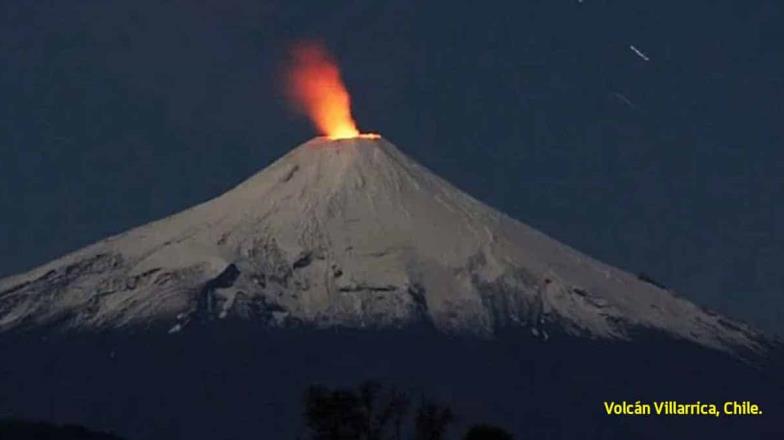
(315, 86)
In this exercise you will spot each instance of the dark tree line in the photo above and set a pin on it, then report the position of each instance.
(374, 412)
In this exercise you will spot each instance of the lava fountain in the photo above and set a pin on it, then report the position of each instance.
(317, 90)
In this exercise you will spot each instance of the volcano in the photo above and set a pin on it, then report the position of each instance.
(352, 233)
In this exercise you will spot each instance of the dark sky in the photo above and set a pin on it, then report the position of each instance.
(115, 113)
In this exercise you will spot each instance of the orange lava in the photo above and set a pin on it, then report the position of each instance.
(315, 86)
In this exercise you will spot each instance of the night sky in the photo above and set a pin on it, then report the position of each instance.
(116, 113)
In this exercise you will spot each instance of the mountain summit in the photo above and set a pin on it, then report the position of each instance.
(351, 233)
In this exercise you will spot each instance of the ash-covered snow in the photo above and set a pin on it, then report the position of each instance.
(351, 233)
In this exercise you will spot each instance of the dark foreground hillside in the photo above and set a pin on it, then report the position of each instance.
(12, 429)
(226, 382)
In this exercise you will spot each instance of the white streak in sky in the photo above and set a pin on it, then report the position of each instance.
(624, 99)
(639, 54)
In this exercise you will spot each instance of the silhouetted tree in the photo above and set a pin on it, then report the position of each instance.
(398, 408)
(432, 421)
(333, 415)
(374, 412)
(487, 432)
(385, 411)
(369, 413)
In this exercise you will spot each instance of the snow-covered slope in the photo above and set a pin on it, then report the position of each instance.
(351, 233)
